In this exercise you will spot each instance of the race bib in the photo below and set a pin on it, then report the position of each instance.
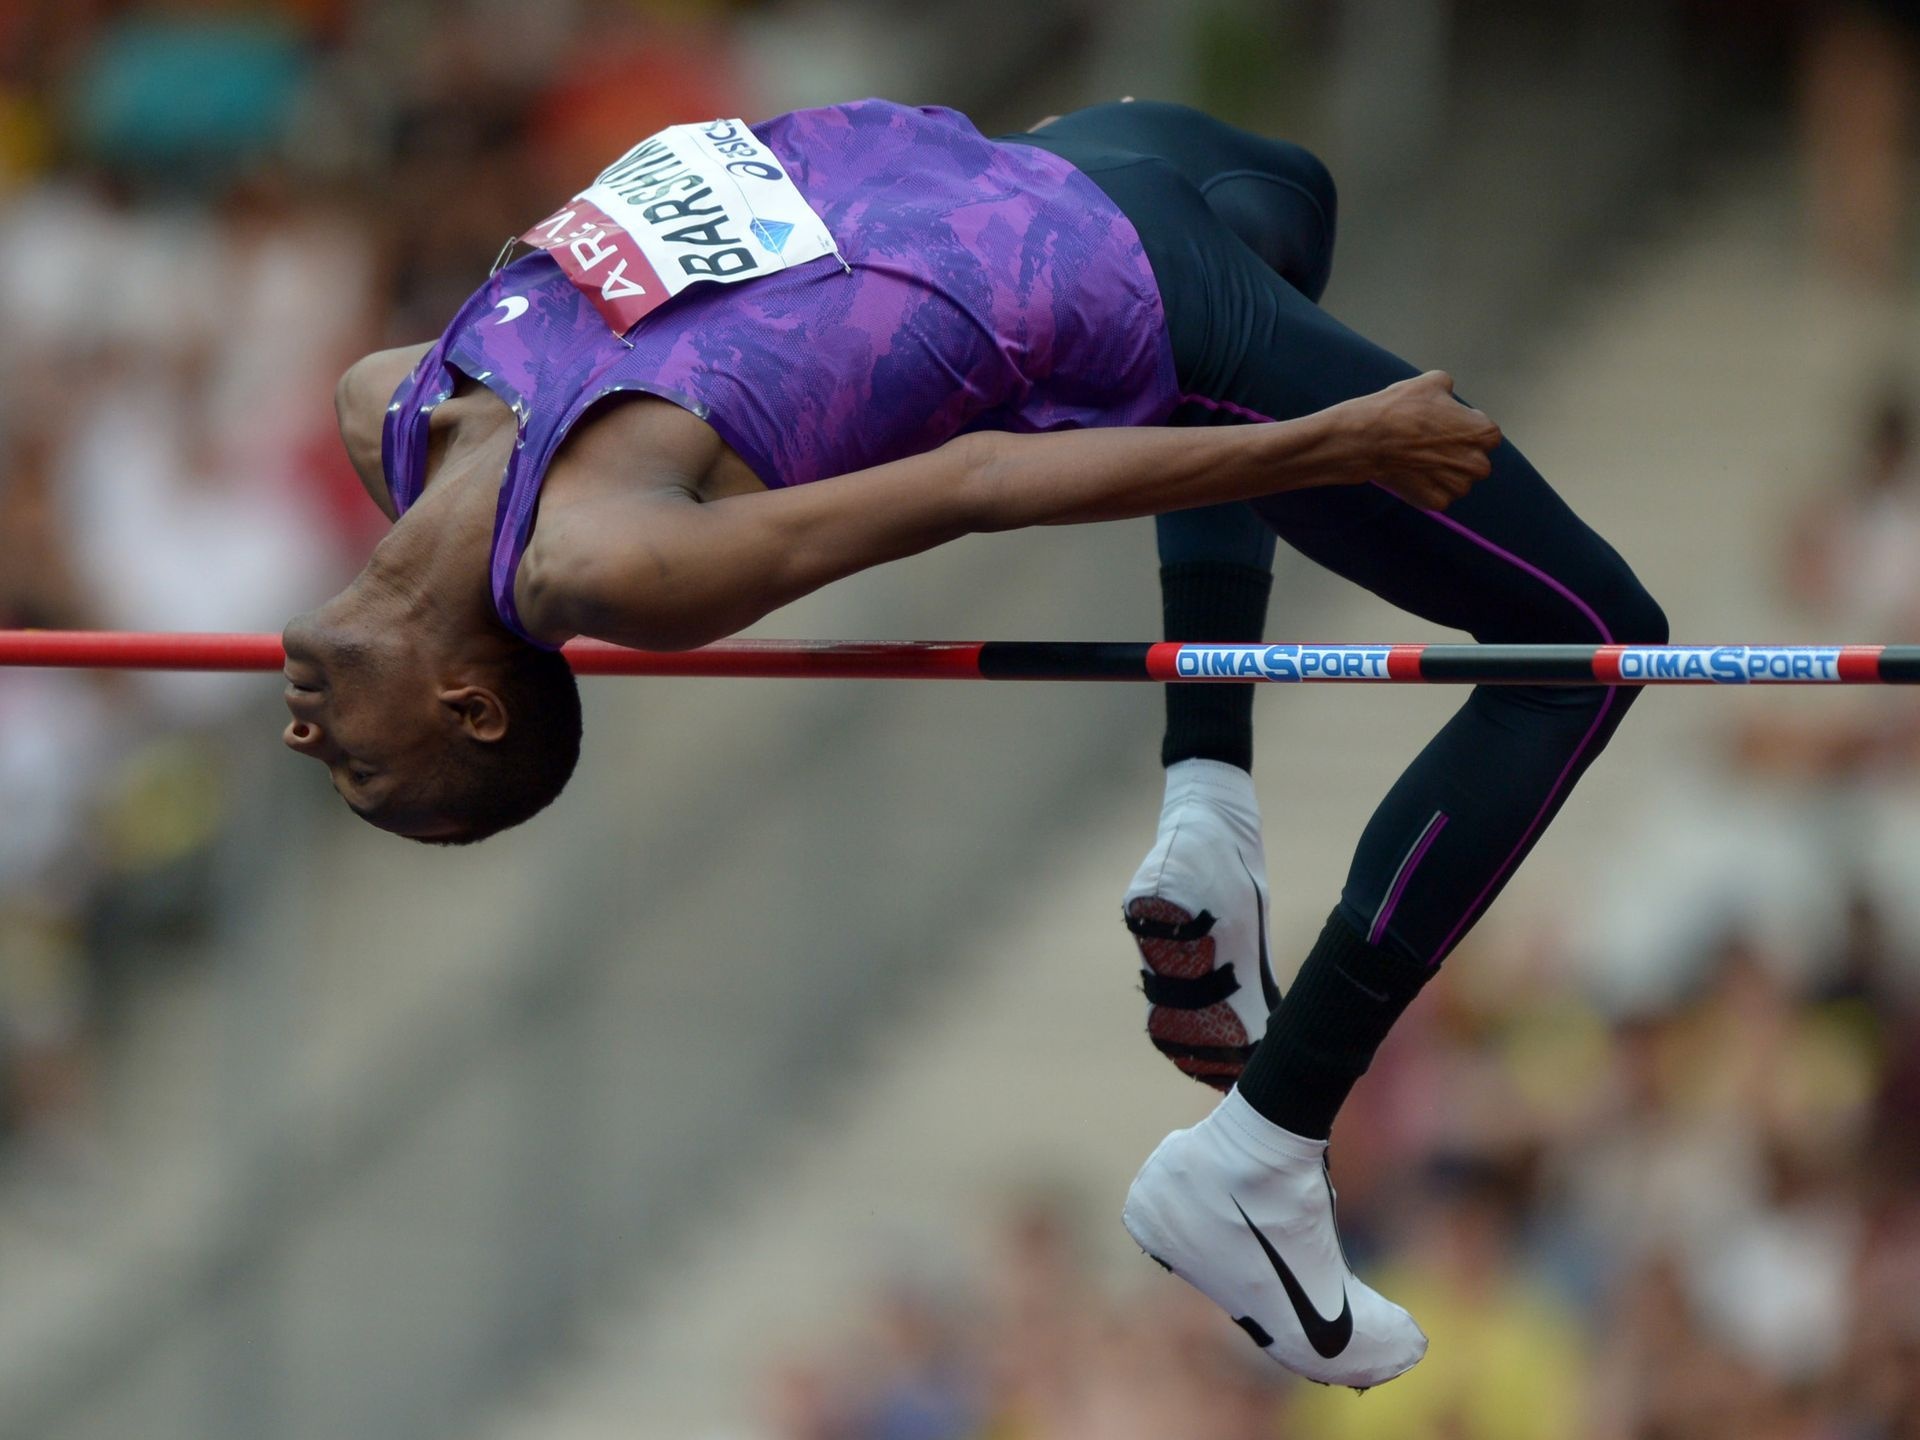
(703, 204)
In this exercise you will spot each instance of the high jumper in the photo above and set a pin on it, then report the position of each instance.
(749, 361)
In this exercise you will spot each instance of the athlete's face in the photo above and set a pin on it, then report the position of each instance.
(373, 719)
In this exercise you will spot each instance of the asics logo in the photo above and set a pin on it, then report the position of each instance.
(1327, 1337)
(514, 305)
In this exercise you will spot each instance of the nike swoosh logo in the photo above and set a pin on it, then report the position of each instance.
(1269, 991)
(514, 305)
(1327, 1337)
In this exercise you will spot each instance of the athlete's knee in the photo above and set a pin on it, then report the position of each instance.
(1300, 166)
(1632, 617)
(1649, 625)
(1610, 605)
(1282, 207)
(1631, 614)
(1316, 182)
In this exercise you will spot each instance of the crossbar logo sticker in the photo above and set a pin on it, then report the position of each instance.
(1732, 664)
(1284, 663)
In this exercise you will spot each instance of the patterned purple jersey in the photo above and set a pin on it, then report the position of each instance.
(985, 286)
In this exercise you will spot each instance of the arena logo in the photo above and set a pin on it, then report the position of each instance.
(1732, 664)
(1283, 663)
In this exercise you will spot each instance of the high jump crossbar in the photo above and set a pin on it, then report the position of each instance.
(1170, 661)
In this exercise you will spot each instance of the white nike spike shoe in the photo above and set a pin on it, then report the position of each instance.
(1197, 908)
(1243, 1212)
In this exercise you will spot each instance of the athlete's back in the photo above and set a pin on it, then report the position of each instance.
(983, 283)
(976, 285)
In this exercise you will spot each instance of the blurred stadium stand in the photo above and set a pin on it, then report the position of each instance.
(811, 993)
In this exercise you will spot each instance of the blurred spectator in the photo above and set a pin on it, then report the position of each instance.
(181, 97)
(210, 209)
(1697, 1222)
(628, 73)
(1851, 548)
(1849, 560)
(1041, 1352)
(1506, 1361)
(1860, 68)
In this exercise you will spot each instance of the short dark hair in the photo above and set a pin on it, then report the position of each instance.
(494, 786)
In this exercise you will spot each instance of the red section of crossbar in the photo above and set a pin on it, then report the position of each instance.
(1860, 664)
(116, 650)
(1403, 662)
(1163, 660)
(772, 659)
(789, 659)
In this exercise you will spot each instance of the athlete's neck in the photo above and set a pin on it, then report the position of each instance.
(430, 572)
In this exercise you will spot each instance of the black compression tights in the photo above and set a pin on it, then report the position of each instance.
(1510, 562)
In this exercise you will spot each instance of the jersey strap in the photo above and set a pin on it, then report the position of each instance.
(692, 205)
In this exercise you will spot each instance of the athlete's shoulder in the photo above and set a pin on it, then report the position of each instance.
(360, 404)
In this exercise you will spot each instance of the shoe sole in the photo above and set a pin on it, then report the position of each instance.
(1210, 1044)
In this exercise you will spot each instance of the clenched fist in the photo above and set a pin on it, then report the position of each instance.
(1416, 440)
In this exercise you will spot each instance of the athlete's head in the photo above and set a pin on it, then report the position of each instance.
(444, 743)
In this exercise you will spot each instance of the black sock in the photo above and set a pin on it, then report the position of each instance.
(1227, 604)
(1323, 1035)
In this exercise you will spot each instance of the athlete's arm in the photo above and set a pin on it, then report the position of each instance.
(1413, 438)
(360, 402)
(655, 568)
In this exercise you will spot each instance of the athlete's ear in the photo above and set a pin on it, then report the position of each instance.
(476, 711)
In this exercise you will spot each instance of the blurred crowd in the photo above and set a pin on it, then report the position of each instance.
(1662, 1197)
(1671, 1196)
(207, 209)
(1699, 1220)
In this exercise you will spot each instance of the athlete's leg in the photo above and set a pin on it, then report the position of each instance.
(1216, 572)
(1510, 562)
(1197, 903)
(1278, 200)
(1215, 567)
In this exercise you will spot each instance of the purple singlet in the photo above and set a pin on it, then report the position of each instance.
(986, 286)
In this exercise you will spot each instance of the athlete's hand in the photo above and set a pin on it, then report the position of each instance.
(1419, 442)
